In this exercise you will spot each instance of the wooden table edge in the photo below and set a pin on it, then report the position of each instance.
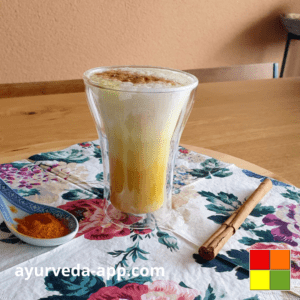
(236, 161)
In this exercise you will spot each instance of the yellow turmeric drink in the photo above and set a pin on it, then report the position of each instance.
(140, 110)
(137, 178)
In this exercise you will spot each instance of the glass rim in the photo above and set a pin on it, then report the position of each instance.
(189, 86)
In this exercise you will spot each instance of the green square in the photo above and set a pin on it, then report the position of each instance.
(259, 280)
(280, 280)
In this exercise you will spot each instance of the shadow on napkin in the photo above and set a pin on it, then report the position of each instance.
(222, 264)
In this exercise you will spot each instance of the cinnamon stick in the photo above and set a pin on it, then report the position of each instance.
(215, 243)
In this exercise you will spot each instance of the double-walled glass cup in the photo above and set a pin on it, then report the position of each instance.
(139, 128)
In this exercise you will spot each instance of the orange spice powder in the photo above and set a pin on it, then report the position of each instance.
(42, 226)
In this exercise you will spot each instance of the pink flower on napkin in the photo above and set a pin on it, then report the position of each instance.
(143, 231)
(89, 213)
(286, 221)
(295, 264)
(93, 222)
(85, 145)
(132, 291)
(157, 290)
(263, 246)
(168, 289)
(25, 177)
(185, 151)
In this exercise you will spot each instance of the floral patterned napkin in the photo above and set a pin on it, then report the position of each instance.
(206, 191)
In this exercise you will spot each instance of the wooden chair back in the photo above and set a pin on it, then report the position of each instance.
(236, 73)
(231, 73)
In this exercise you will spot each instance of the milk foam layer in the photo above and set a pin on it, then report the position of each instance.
(139, 128)
(170, 79)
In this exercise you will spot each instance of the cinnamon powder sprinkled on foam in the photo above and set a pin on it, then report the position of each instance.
(126, 76)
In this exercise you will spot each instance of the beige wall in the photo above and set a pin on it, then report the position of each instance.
(44, 40)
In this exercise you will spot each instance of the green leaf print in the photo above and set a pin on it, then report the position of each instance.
(75, 156)
(264, 237)
(292, 195)
(248, 225)
(219, 209)
(167, 240)
(19, 165)
(181, 283)
(77, 194)
(253, 298)
(201, 173)
(209, 295)
(141, 256)
(209, 196)
(260, 210)
(98, 153)
(134, 252)
(218, 219)
(226, 198)
(239, 257)
(136, 236)
(223, 173)
(73, 286)
(231, 204)
(27, 193)
(211, 167)
(99, 176)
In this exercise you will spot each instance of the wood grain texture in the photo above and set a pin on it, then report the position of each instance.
(41, 88)
(256, 121)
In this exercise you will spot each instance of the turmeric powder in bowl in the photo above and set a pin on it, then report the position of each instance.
(42, 226)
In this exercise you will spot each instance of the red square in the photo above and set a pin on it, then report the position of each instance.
(259, 259)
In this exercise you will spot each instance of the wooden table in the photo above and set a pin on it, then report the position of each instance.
(256, 123)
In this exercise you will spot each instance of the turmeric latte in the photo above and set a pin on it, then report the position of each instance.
(139, 109)
(43, 226)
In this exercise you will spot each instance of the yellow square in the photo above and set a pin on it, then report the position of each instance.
(259, 279)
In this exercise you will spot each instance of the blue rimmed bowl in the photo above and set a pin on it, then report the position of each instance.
(12, 206)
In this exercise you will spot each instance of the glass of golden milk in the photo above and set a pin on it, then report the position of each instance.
(140, 113)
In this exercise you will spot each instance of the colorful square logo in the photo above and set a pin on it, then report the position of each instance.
(270, 269)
